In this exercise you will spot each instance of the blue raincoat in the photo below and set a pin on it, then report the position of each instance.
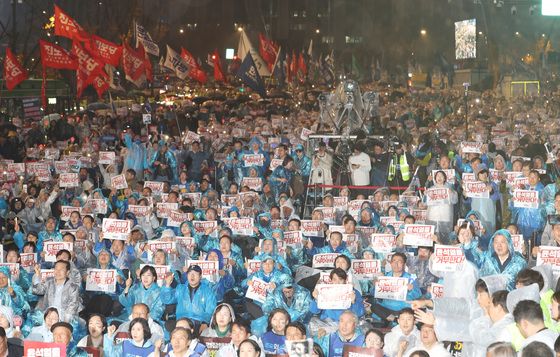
(341, 249)
(198, 305)
(139, 294)
(281, 263)
(275, 276)
(225, 283)
(136, 158)
(276, 186)
(530, 220)
(488, 262)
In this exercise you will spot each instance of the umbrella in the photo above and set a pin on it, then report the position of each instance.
(200, 100)
(89, 112)
(98, 106)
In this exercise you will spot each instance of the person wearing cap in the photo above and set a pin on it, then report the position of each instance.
(30, 215)
(62, 333)
(195, 299)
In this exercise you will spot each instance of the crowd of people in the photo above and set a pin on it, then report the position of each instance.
(192, 234)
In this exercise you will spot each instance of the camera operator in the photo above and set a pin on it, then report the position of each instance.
(380, 162)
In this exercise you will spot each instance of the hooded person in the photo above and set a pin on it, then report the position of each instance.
(500, 258)
(530, 292)
(530, 220)
(269, 247)
(369, 218)
(50, 232)
(105, 303)
(262, 223)
(335, 245)
(136, 157)
(255, 148)
(30, 215)
(146, 290)
(269, 274)
(281, 177)
(11, 294)
(225, 281)
(287, 211)
(293, 298)
(302, 162)
(221, 322)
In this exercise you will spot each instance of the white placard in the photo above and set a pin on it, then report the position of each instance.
(383, 243)
(250, 160)
(476, 189)
(118, 229)
(471, 147)
(420, 235)
(437, 196)
(155, 186)
(525, 199)
(118, 182)
(324, 260)
(549, 255)
(448, 258)
(391, 288)
(293, 239)
(366, 268)
(51, 248)
(68, 180)
(104, 280)
(106, 157)
(312, 228)
(254, 183)
(240, 226)
(258, 290)
(334, 296)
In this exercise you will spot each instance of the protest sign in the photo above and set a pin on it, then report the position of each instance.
(525, 199)
(511, 176)
(312, 228)
(187, 243)
(392, 288)
(253, 183)
(103, 280)
(354, 207)
(43, 349)
(468, 177)
(258, 290)
(437, 196)
(140, 211)
(154, 245)
(250, 160)
(476, 189)
(352, 242)
(420, 235)
(118, 229)
(118, 182)
(46, 273)
(518, 242)
(50, 248)
(437, 291)
(549, 255)
(106, 157)
(240, 226)
(356, 351)
(324, 260)
(450, 173)
(448, 258)
(164, 208)
(334, 296)
(201, 227)
(293, 239)
(366, 268)
(471, 147)
(300, 348)
(253, 266)
(13, 267)
(209, 269)
(97, 206)
(383, 242)
(161, 272)
(274, 163)
(340, 203)
(66, 211)
(176, 218)
(61, 167)
(155, 186)
(28, 260)
(68, 180)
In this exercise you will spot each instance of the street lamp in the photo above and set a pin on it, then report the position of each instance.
(423, 32)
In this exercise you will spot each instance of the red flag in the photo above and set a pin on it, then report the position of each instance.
(294, 65)
(101, 84)
(14, 73)
(107, 51)
(302, 68)
(54, 56)
(66, 26)
(268, 50)
(87, 64)
(134, 62)
(195, 72)
(288, 71)
(218, 73)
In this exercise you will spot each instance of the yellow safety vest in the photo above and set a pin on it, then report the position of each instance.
(403, 165)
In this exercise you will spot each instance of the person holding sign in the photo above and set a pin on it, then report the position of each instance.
(138, 345)
(195, 299)
(500, 258)
(225, 281)
(486, 207)
(441, 202)
(146, 291)
(329, 318)
(387, 309)
(530, 220)
(11, 294)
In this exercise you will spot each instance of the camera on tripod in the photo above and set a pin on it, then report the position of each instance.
(393, 143)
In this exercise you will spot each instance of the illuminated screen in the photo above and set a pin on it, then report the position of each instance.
(551, 8)
(465, 39)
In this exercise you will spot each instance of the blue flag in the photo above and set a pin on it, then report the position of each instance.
(249, 74)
